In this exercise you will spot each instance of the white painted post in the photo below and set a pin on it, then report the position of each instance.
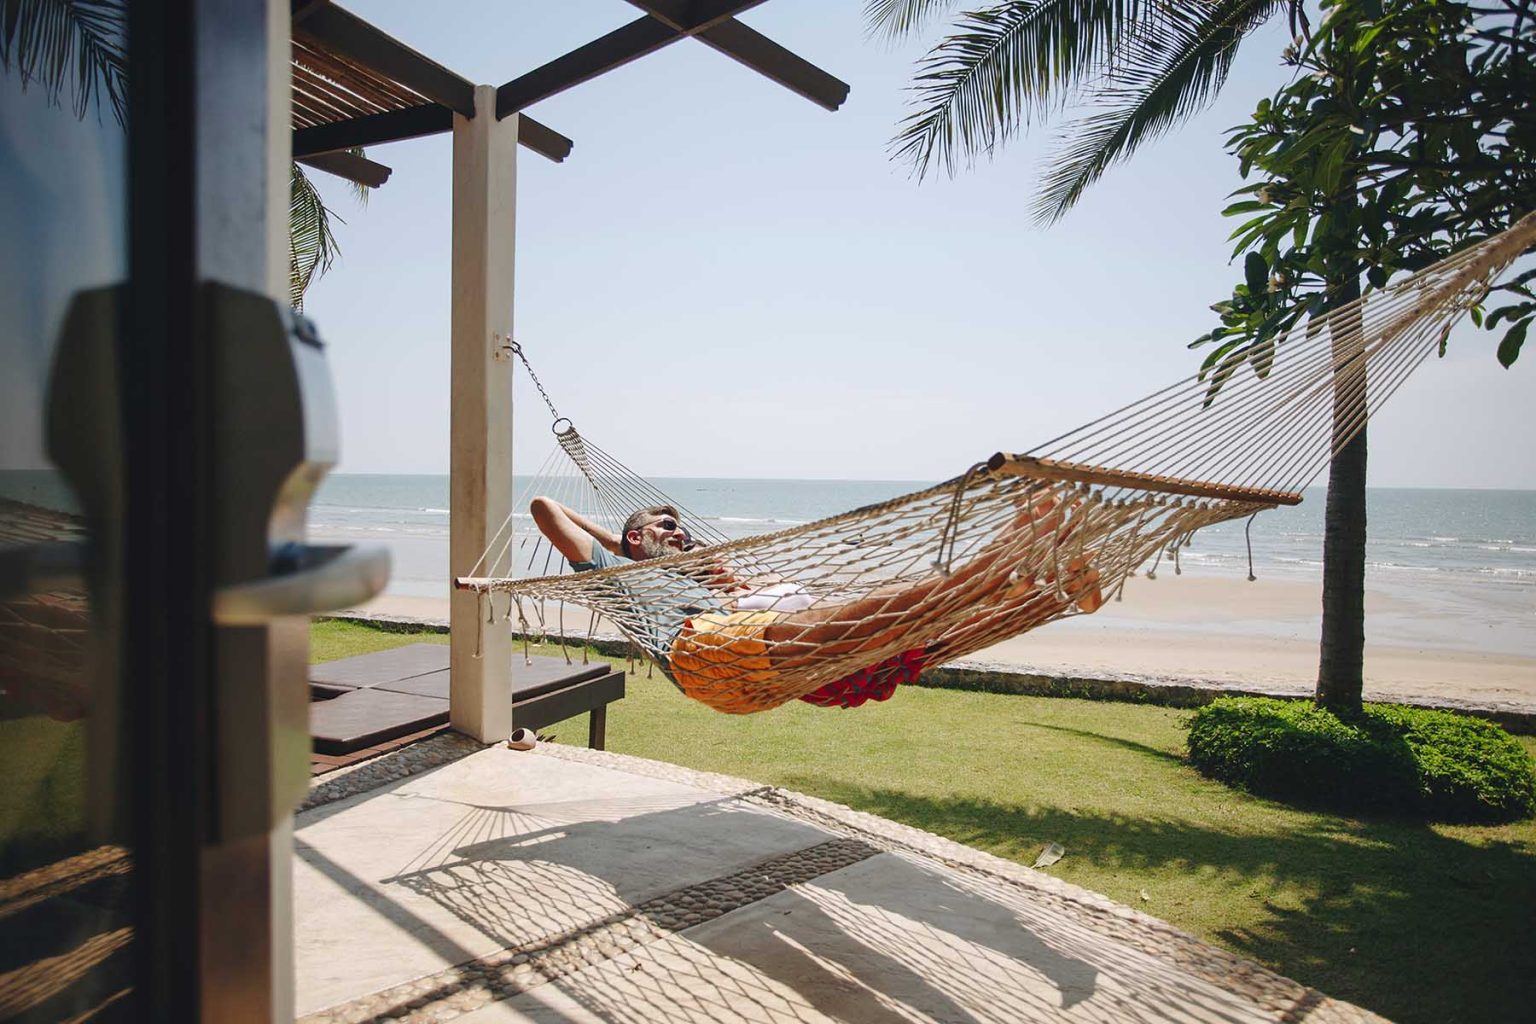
(480, 463)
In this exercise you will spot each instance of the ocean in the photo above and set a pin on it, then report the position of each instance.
(1458, 567)
(1460, 555)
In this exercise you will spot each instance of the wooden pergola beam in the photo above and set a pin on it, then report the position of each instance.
(713, 22)
(350, 166)
(665, 22)
(617, 48)
(355, 38)
(429, 119)
(751, 48)
(391, 126)
(543, 140)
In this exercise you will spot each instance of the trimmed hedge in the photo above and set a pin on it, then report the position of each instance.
(1434, 765)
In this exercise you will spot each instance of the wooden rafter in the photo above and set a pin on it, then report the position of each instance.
(350, 166)
(347, 34)
(354, 85)
(713, 22)
(753, 49)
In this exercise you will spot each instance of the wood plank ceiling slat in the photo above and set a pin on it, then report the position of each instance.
(329, 88)
(333, 103)
(358, 78)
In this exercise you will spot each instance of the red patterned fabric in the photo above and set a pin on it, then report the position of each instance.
(877, 682)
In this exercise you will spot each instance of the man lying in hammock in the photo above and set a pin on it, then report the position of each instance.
(740, 661)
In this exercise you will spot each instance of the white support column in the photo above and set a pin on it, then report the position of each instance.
(480, 463)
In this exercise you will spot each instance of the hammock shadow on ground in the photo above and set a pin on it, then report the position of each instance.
(1407, 920)
(525, 876)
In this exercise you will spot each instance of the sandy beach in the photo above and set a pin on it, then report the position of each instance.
(1227, 630)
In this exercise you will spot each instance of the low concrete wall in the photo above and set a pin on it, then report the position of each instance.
(996, 678)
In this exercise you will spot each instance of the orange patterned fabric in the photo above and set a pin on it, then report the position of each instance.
(720, 658)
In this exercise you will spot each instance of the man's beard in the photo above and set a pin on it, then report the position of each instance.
(651, 547)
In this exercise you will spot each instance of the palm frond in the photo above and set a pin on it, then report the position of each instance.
(1001, 67)
(895, 19)
(78, 44)
(360, 192)
(1155, 78)
(312, 247)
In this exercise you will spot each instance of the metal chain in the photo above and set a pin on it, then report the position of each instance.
(517, 350)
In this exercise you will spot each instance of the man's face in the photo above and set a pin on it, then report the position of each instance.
(661, 536)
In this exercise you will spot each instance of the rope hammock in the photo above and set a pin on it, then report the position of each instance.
(839, 610)
(43, 631)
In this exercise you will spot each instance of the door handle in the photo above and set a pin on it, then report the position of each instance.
(309, 578)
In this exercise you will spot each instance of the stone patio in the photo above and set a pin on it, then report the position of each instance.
(446, 882)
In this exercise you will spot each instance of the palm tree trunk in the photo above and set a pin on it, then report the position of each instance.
(1341, 671)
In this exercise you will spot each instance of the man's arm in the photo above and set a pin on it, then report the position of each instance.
(570, 532)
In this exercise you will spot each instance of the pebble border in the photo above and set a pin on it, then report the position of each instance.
(432, 752)
(468, 986)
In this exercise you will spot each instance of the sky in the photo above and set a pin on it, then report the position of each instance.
(725, 280)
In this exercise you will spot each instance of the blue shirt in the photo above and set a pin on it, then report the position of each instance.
(661, 598)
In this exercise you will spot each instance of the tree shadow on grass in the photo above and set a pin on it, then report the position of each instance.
(1394, 916)
(1117, 741)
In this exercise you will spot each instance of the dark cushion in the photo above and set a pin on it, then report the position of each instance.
(365, 717)
(544, 675)
(389, 666)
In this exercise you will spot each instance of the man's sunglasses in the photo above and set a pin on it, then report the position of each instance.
(666, 523)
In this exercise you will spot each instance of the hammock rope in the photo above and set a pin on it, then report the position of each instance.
(45, 650)
(1013, 542)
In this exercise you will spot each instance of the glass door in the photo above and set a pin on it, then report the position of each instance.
(67, 893)
(163, 421)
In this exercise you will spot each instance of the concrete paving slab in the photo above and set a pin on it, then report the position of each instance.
(573, 885)
(889, 940)
(495, 850)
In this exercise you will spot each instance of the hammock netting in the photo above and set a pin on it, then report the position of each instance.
(1012, 543)
(43, 631)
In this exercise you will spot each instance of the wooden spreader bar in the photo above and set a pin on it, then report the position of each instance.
(1051, 469)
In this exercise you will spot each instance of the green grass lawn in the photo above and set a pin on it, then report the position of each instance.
(1419, 923)
(42, 800)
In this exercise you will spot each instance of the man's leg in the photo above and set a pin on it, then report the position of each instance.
(881, 618)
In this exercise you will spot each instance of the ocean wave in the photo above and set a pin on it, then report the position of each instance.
(1468, 541)
(348, 529)
(1216, 558)
(1435, 542)
(1479, 571)
(1501, 572)
(754, 519)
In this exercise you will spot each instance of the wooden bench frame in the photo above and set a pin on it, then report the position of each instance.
(539, 705)
(591, 695)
